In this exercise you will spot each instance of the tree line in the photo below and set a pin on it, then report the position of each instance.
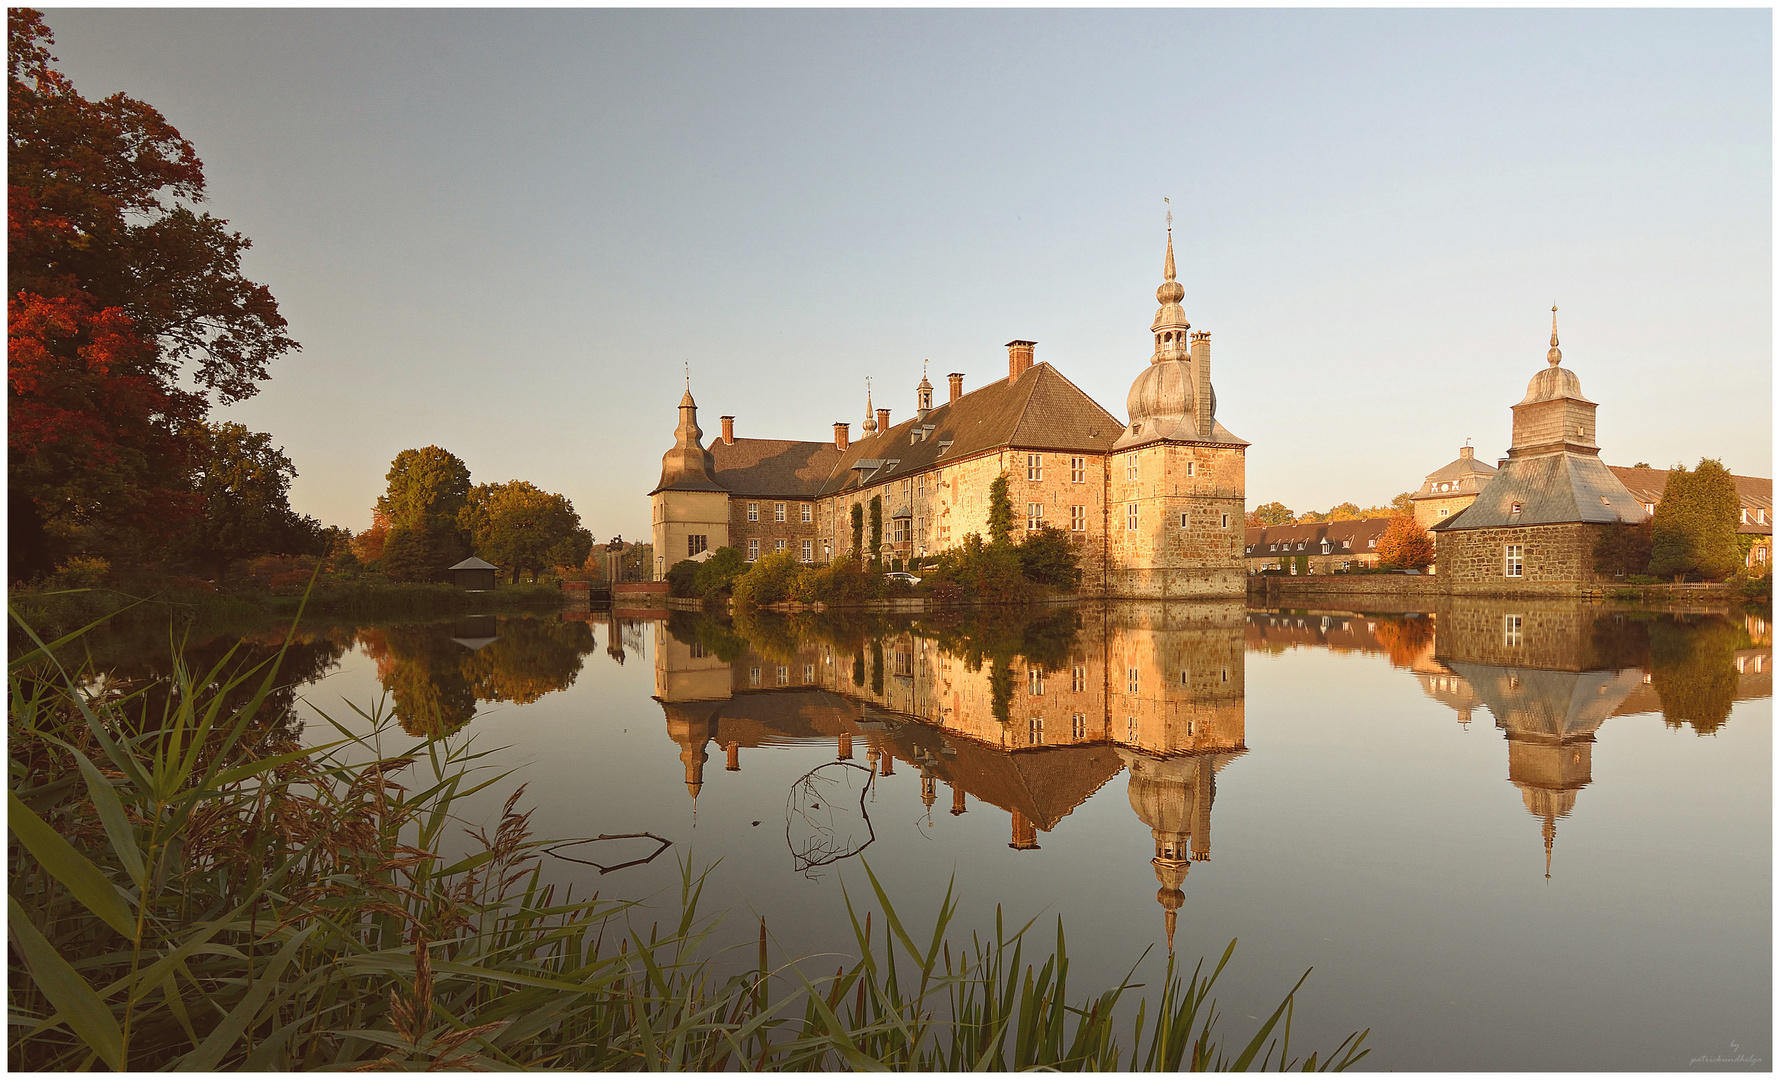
(128, 321)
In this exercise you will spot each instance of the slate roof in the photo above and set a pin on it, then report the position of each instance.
(1355, 531)
(1466, 474)
(1041, 410)
(1753, 493)
(773, 467)
(1550, 489)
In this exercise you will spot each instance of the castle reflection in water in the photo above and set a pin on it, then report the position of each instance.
(1033, 729)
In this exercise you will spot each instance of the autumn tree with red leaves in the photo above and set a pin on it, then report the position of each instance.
(1405, 545)
(127, 315)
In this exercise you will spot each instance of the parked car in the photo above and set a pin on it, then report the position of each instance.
(902, 576)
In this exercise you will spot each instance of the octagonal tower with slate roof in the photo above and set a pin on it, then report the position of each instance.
(1534, 526)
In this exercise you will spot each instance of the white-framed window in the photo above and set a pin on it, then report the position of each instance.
(1372, 543)
(778, 511)
(1078, 678)
(1035, 466)
(778, 545)
(753, 550)
(1130, 517)
(1078, 470)
(753, 676)
(784, 675)
(1130, 729)
(1511, 635)
(1035, 682)
(1513, 561)
(1745, 519)
(1078, 519)
(899, 531)
(1035, 731)
(1761, 517)
(753, 511)
(809, 551)
(1189, 468)
(1443, 511)
(1131, 466)
(1035, 516)
(809, 673)
(695, 543)
(1078, 726)
(804, 512)
(1761, 554)
(1131, 680)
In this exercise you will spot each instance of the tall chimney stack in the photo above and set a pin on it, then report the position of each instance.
(1019, 358)
(883, 421)
(840, 436)
(1465, 453)
(728, 430)
(956, 378)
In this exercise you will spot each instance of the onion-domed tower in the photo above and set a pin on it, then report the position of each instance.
(1177, 474)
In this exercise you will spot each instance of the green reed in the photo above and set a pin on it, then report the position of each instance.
(193, 889)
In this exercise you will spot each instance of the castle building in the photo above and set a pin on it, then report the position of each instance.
(1154, 505)
(1450, 488)
(1533, 527)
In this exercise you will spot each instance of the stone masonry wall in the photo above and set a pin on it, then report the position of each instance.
(1161, 557)
(769, 531)
(1557, 559)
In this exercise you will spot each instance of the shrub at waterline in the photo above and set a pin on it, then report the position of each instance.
(180, 905)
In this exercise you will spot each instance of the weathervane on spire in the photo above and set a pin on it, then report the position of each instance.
(1170, 206)
(689, 376)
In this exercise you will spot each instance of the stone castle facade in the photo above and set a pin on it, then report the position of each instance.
(1532, 527)
(1153, 505)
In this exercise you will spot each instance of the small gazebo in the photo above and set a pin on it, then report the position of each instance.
(474, 575)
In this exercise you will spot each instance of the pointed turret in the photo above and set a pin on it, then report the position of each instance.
(1554, 357)
(870, 426)
(688, 466)
(923, 395)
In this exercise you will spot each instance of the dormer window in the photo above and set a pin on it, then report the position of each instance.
(1515, 509)
(944, 445)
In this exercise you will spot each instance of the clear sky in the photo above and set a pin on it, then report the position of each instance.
(504, 232)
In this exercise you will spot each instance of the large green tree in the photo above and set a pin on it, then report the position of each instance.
(1694, 530)
(519, 526)
(427, 489)
(243, 486)
(1273, 513)
(127, 314)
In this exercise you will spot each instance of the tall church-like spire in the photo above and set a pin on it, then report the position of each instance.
(870, 426)
(1554, 357)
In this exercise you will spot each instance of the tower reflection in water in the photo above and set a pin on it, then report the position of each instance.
(1030, 719)
(1033, 719)
(1550, 674)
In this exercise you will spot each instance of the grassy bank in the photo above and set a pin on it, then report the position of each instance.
(55, 612)
(192, 889)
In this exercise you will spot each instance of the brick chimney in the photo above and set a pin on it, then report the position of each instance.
(883, 421)
(956, 378)
(840, 436)
(1019, 358)
(728, 430)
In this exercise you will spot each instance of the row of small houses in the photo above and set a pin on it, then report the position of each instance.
(1326, 547)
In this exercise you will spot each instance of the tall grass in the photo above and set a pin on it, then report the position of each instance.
(191, 889)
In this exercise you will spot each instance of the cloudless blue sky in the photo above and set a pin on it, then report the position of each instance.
(505, 231)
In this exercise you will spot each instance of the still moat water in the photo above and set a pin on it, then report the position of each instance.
(1505, 836)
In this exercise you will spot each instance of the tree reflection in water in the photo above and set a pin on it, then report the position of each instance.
(437, 672)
